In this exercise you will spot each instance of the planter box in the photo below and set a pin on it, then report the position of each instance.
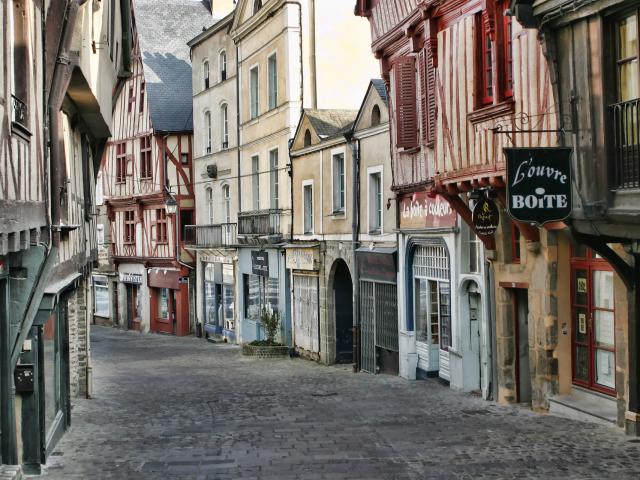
(260, 351)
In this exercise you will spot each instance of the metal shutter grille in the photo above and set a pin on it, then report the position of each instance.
(386, 316)
(367, 327)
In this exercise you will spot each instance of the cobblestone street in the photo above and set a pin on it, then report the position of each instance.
(166, 407)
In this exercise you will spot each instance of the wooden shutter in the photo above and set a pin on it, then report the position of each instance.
(405, 97)
(427, 97)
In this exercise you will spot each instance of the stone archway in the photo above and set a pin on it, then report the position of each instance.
(341, 291)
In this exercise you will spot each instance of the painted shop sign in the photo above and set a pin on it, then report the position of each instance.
(419, 211)
(216, 259)
(301, 258)
(485, 217)
(538, 184)
(260, 263)
(131, 278)
(377, 266)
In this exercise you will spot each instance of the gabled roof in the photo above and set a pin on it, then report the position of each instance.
(164, 27)
(331, 123)
(379, 85)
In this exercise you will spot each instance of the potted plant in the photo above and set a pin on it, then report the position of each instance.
(267, 348)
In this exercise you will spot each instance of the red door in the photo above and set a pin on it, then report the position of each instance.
(165, 311)
(593, 321)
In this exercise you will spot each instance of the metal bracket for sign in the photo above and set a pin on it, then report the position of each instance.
(518, 123)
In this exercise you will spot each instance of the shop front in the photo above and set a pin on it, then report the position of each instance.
(169, 299)
(218, 297)
(262, 283)
(302, 261)
(131, 293)
(377, 271)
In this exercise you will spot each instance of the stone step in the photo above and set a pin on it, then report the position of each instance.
(585, 406)
(10, 472)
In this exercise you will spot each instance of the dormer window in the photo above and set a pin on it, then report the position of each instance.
(257, 5)
(307, 138)
(375, 116)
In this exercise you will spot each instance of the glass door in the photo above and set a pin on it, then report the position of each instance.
(593, 313)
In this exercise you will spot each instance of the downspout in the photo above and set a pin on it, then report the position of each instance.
(239, 155)
(354, 144)
(312, 54)
(492, 385)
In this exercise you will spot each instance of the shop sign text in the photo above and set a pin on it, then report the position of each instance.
(134, 278)
(260, 263)
(301, 258)
(419, 211)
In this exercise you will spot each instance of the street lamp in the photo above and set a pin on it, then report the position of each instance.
(171, 206)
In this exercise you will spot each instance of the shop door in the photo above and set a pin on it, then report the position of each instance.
(305, 313)
(521, 307)
(367, 328)
(474, 338)
(343, 304)
(593, 322)
(132, 308)
(379, 327)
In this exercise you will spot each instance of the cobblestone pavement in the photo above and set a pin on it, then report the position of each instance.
(183, 408)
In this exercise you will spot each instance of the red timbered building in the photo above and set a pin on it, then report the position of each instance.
(466, 80)
(147, 173)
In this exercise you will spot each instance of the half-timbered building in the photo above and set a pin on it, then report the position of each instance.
(56, 110)
(147, 171)
(592, 55)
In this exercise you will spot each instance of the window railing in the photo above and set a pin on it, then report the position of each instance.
(20, 112)
(214, 236)
(410, 168)
(626, 138)
(260, 222)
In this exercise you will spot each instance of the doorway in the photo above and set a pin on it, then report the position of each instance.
(133, 322)
(471, 318)
(343, 304)
(523, 369)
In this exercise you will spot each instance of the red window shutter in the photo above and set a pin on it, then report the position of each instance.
(431, 98)
(424, 116)
(406, 108)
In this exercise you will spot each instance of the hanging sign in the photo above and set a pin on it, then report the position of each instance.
(485, 217)
(538, 184)
(419, 211)
(260, 263)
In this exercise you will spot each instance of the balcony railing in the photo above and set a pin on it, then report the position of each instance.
(20, 113)
(260, 222)
(222, 235)
(626, 130)
(410, 169)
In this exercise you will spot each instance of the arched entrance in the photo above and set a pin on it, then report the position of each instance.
(343, 308)
(470, 325)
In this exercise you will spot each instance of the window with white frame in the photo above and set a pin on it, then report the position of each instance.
(224, 122)
(253, 91)
(207, 127)
(338, 186)
(273, 179)
(101, 295)
(255, 182)
(226, 195)
(375, 200)
(273, 82)
(205, 74)
(210, 205)
(307, 199)
(223, 65)
(100, 234)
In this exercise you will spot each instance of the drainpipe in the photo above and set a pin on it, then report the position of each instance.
(312, 54)
(238, 130)
(492, 387)
(354, 144)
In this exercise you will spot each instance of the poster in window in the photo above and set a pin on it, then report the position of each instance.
(581, 285)
(582, 323)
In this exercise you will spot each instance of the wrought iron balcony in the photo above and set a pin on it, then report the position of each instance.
(625, 118)
(20, 113)
(410, 169)
(223, 235)
(260, 223)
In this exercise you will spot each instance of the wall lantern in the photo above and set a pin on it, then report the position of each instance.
(171, 206)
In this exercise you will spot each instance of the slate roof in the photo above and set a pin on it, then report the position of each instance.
(164, 27)
(331, 123)
(382, 90)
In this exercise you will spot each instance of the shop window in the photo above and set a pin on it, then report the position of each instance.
(101, 295)
(161, 225)
(121, 162)
(274, 179)
(338, 183)
(163, 303)
(145, 157)
(259, 292)
(130, 227)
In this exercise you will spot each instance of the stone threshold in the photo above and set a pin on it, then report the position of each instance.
(10, 472)
(586, 406)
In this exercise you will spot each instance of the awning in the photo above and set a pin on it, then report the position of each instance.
(378, 264)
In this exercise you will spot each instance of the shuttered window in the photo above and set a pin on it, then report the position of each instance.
(427, 97)
(405, 98)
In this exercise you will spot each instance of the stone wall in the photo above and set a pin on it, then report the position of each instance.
(78, 340)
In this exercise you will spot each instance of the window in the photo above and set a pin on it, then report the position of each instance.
(259, 292)
(20, 84)
(474, 252)
(404, 85)
(375, 116)
(121, 162)
(224, 122)
(307, 138)
(508, 54)
(112, 27)
(129, 227)
(273, 82)
(132, 97)
(145, 157)
(210, 205)
(223, 66)
(273, 180)
(207, 126)
(142, 93)
(184, 158)
(255, 182)
(627, 58)
(226, 195)
(338, 183)
(486, 67)
(375, 202)
(257, 5)
(186, 218)
(161, 225)
(163, 303)
(515, 243)
(101, 295)
(205, 74)
(100, 234)
(253, 76)
(307, 193)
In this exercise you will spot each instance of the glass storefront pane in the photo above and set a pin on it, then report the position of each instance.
(603, 290)
(50, 376)
(580, 285)
(628, 37)
(271, 294)
(163, 303)
(605, 368)
(628, 73)
(101, 296)
(604, 329)
(229, 306)
(420, 313)
(581, 325)
(582, 363)
(434, 312)
(210, 303)
(252, 297)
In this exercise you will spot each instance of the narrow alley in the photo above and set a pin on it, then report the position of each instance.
(168, 408)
